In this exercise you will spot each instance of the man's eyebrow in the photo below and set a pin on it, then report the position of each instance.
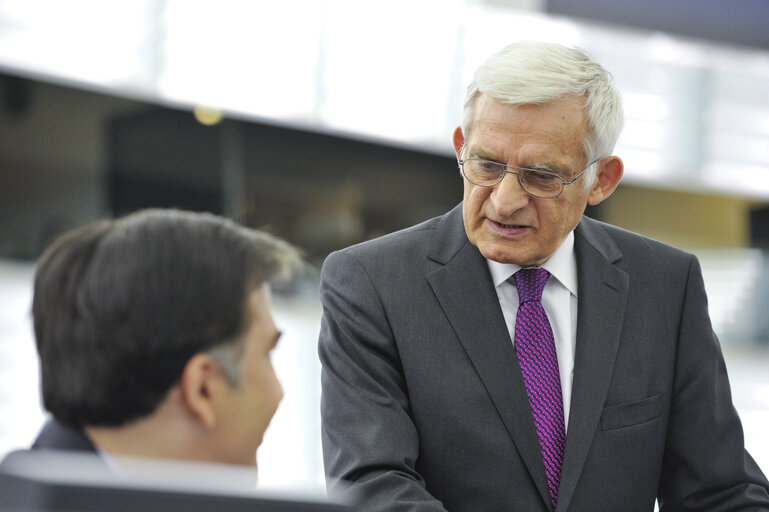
(548, 166)
(482, 154)
(540, 166)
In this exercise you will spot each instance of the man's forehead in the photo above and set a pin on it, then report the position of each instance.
(549, 133)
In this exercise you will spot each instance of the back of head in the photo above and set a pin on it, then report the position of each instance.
(120, 306)
(531, 72)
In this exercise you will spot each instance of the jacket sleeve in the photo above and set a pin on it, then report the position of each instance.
(705, 466)
(370, 443)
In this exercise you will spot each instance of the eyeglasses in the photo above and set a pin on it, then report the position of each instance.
(544, 184)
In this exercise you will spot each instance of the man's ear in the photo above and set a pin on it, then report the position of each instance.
(200, 385)
(459, 141)
(607, 178)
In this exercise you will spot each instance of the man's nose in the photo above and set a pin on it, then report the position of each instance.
(509, 196)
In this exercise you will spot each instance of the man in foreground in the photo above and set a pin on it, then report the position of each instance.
(515, 355)
(154, 333)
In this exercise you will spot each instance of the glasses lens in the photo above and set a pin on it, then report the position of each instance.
(542, 184)
(483, 172)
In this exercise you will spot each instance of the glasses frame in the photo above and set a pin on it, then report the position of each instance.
(518, 173)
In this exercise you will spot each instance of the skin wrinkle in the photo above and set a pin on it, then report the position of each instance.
(524, 136)
(507, 224)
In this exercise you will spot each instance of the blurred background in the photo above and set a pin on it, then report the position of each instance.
(328, 122)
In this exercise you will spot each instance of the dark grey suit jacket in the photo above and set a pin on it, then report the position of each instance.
(58, 436)
(424, 406)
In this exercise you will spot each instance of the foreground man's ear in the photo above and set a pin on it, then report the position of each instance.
(200, 383)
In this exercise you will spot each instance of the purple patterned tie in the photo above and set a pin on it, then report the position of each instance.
(535, 347)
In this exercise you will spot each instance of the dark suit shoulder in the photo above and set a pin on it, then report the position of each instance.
(387, 260)
(397, 240)
(58, 436)
(629, 243)
(649, 263)
(436, 239)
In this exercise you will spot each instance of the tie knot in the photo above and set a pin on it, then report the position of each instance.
(530, 283)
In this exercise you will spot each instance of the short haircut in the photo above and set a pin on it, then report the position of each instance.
(120, 306)
(530, 72)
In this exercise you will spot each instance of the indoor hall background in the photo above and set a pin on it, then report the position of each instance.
(363, 150)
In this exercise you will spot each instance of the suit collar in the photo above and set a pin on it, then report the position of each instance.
(58, 436)
(592, 233)
(603, 292)
(451, 236)
(562, 266)
(464, 279)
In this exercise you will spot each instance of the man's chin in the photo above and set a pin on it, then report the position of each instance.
(501, 255)
(506, 254)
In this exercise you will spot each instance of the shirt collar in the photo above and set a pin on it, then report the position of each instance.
(562, 265)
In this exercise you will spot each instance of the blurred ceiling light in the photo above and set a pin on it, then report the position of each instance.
(541, 27)
(55, 38)
(486, 30)
(369, 88)
(642, 165)
(738, 147)
(208, 116)
(645, 106)
(664, 48)
(212, 55)
(744, 118)
(760, 395)
(644, 134)
(741, 178)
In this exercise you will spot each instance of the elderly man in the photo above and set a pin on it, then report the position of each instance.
(515, 355)
(154, 333)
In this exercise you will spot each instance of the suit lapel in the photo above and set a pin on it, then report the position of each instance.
(464, 290)
(603, 290)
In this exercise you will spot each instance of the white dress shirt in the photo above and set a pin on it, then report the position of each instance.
(560, 302)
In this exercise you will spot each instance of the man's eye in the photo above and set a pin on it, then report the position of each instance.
(541, 177)
(490, 167)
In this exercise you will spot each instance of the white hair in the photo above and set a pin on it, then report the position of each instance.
(530, 72)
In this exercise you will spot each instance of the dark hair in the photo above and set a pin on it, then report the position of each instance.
(121, 305)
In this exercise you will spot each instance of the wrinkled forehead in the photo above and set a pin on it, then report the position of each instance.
(571, 101)
(528, 131)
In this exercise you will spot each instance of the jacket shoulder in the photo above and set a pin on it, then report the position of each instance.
(411, 247)
(629, 243)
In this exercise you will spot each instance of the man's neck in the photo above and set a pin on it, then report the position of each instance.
(166, 433)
